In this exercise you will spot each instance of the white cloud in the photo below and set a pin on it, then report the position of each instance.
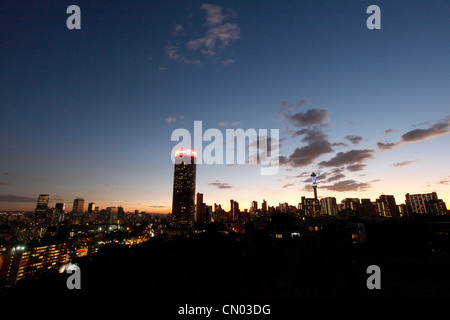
(227, 62)
(220, 31)
(225, 124)
(403, 163)
(216, 37)
(173, 54)
(171, 119)
(214, 14)
(177, 29)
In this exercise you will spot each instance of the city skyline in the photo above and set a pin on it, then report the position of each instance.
(416, 203)
(89, 113)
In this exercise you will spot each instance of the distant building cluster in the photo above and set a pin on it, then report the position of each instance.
(384, 206)
(188, 213)
(49, 237)
(78, 214)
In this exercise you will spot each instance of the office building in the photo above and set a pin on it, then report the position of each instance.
(427, 203)
(234, 210)
(350, 204)
(254, 206)
(91, 207)
(183, 200)
(386, 206)
(310, 207)
(60, 207)
(367, 208)
(112, 214)
(264, 206)
(283, 207)
(78, 205)
(200, 209)
(60, 211)
(42, 204)
(328, 206)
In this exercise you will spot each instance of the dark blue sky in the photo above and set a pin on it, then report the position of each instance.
(90, 112)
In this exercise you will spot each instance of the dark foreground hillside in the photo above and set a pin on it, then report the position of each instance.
(215, 268)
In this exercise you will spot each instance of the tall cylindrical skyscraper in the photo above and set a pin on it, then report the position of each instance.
(183, 201)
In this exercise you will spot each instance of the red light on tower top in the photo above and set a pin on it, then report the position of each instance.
(186, 152)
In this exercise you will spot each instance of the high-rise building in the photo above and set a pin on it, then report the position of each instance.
(234, 210)
(437, 206)
(112, 214)
(350, 204)
(254, 206)
(367, 208)
(60, 207)
(42, 204)
(200, 218)
(427, 203)
(310, 207)
(21, 262)
(403, 210)
(284, 207)
(386, 206)
(232, 213)
(78, 205)
(120, 214)
(59, 211)
(264, 206)
(183, 200)
(328, 206)
(91, 207)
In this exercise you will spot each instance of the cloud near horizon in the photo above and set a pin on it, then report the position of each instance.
(348, 185)
(220, 185)
(348, 158)
(356, 167)
(440, 128)
(15, 198)
(403, 163)
(387, 145)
